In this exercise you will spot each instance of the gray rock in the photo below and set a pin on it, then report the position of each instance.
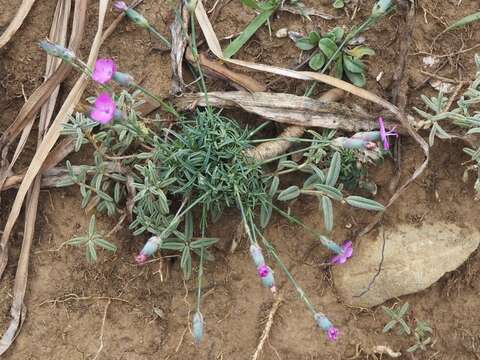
(414, 259)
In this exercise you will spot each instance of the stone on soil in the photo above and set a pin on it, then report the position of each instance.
(414, 258)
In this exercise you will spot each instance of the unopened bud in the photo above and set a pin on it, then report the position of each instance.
(57, 50)
(123, 79)
(197, 327)
(256, 254)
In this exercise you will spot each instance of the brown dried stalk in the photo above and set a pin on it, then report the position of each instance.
(17, 21)
(179, 44)
(288, 109)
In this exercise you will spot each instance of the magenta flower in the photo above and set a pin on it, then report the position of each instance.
(385, 134)
(347, 251)
(263, 271)
(141, 258)
(104, 70)
(333, 333)
(103, 109)
(120, 5)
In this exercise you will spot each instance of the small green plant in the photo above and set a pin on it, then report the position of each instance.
(338, 4)
(91, 241)
(396, 317)
(342, 62)
(465, 118)
(422, 336)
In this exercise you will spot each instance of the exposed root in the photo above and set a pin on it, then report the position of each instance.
(268, 327)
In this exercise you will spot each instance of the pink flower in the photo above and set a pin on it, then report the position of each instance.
(332, 333)
(263, 271)
(347, 251)
(385, 134)
(103, 109)
(104, 70)
(120, 5)
(141, 258)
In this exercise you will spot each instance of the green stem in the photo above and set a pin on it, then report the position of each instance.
(167, 107)
(159, 36)
(300, 292)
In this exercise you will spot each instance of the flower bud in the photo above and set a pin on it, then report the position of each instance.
(367, 135)
(350, 143)
(150, 247)
(256, 254)
(325, 324)
(57, 50)
(123, 79)
(137, 18)
(197, 327)
(266, 275)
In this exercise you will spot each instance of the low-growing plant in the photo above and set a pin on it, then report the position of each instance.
(463, 120)
(342, 62)
(422, 332)
(172, 181)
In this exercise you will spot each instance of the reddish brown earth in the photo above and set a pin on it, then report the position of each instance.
(150, 306)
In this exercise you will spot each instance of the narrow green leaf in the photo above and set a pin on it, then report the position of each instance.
(389, 326)
(106, 245)
(188, 231)
(363, 203)
(77, 241)
(334, 170)
(91, 253)
(92, 227)
(330, 191)
(265, 214)
(464, 21)
(327, 213)
(289, 193)
(172, 246)
(203, 243)
(247, 33)
(274, 186)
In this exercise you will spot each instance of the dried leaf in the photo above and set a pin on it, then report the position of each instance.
(17, 21)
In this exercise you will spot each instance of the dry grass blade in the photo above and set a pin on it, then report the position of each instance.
(58, 34)
(216, 69)
(28, 111)
(17, 21)
(287, 109)
(179, 44)
(50, 138)
(214, 46)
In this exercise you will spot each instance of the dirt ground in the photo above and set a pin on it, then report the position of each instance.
(147, 308)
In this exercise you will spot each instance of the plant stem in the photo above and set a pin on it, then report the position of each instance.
(300, 292)
(159, 36)
(168, 108)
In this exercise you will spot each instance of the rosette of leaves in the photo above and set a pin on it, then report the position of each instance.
(326, 56)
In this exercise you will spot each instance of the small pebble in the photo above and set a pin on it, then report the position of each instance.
(282, 33)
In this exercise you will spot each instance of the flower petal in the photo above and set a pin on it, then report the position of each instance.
(104, 70)
(103, 109)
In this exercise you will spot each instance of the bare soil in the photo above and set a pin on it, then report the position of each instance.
(147, 308)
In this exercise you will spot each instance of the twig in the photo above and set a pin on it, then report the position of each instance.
(268, 327)
(102, 330)
(372, 281)
(442, 78)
